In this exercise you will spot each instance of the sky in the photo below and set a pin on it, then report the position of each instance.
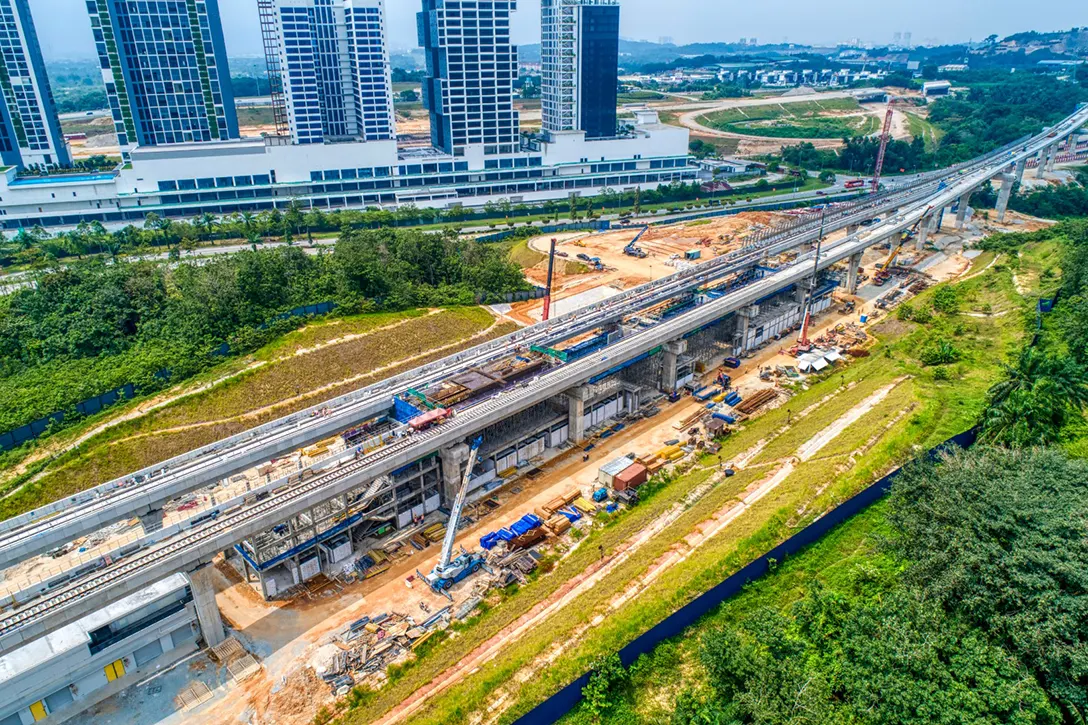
(64, 30)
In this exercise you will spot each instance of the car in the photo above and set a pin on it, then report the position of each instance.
(90, 113)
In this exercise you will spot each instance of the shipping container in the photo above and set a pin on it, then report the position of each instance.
(609, 470)
(631, 477)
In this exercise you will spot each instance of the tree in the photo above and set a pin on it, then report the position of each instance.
(1035, 400)
(828, 177)
(599, 693)
(409, 95)
(999, 538)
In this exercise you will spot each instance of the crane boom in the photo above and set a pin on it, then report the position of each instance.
(885, 136)
(807, 318)
(458, 507)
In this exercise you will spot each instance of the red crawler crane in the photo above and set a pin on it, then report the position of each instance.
(884, 138)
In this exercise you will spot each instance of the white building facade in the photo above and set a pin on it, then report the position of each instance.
(579, 55)
(63, 673)
(334, 67)
(30, 132)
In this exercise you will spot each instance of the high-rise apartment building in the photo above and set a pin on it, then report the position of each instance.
(164, 64)
(30, 132)
(331, 61)
(580, 41)
(471, 69)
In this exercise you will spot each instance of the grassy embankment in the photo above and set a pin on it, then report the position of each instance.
(301, 369)
(922, 128)
(944, 403)
(834, 562)
(810, 119)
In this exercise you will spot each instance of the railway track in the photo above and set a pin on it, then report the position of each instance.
(189, 549)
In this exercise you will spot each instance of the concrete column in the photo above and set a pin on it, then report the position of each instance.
(1021, 166)
(1007, 180)
(673, 350)
(852, 274)
(800, 292)
(923, 233)
(207, 611)
(744, 321)
(1041, 168)
(452, 459)
(852, 229)
(151, 520)
(576, 420)
(961, 215)
(1053, 158)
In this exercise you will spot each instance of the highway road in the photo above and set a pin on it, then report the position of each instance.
(185, 550)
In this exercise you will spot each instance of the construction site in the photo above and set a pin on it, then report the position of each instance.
(330, 599)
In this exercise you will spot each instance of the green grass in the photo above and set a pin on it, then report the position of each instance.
(944, 408)
(807, 119)
(255, 116)
(521, 255)
(284, 383)
(658, 677)
(921, 128)
(639, 97)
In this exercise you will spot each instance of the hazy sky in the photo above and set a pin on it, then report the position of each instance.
(64, 29)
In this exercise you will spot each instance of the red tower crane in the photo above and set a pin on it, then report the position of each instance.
(884, 138)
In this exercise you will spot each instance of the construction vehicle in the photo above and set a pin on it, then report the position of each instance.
(448, 571)
(885, 136)
(882, 274)
(632, 249)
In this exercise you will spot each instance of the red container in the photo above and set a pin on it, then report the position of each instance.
(631, 477)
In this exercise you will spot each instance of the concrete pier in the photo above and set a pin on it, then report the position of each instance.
(852, 274)
(1043, 157)
(151, 521)
(1007, 181)
(453, 458)
(576, 419)
(673, 351)
(207, 611)
(961, 214)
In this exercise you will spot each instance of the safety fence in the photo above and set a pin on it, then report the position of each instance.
(599, 225)
(566, 699)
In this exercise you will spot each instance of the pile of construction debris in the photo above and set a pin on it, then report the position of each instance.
(368, 645)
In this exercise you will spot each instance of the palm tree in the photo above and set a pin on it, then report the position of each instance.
(1034, 400)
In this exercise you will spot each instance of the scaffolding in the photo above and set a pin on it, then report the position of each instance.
(714, 341)
(509, 432)
(646, 374)
(266, 9)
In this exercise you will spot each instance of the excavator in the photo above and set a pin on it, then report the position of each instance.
(449, 570)
(882, 274)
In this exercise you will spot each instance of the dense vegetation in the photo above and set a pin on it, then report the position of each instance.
(1055, 202)
(92, 325)
(998, 108)
(971, 612)
(967, 604)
